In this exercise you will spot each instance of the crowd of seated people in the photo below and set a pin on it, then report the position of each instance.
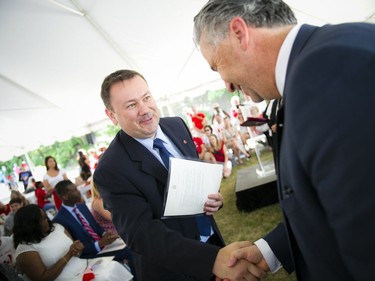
(35, 255)
(78, 220)
(32, 252)
(220, 141)
(35, 259)
(231, 139)
(38, 257)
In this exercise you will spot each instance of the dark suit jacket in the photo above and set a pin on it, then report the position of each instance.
(132, 183)
(326, 148)
(76, 230)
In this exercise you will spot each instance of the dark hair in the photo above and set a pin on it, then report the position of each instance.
(27, 227)
(15, 200)
(81, 159)
(117, 76)
(84, 176)
(208, 126)
(46, 162)
(62, 187)
(39, 184)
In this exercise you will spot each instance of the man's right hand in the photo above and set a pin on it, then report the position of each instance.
(107, 238)
(228, 267)
(250, 253)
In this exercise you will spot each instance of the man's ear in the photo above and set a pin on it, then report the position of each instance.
(65, 197)
(239, 30)
(111, 115)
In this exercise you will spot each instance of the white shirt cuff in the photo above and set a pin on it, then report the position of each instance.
(269, 256)
(97, 247)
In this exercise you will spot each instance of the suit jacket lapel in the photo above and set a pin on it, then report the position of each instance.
(138, 153)
(68, 217)
(180, 137)
(302, 38)
(151, 165)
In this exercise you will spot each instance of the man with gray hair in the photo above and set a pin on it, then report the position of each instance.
(322, 74)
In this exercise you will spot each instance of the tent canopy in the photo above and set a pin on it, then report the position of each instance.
(55, 54)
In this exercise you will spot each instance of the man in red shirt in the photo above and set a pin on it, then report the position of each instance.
(198, 119)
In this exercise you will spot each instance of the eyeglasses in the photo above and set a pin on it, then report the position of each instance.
(207, 130)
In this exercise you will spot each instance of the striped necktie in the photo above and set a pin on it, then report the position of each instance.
(86, 225)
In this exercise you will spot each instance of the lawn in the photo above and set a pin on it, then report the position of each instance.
(237, 225)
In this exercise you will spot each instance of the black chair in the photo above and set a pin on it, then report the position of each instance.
(8, 273)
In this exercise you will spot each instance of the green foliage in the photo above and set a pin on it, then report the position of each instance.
(65, 152)
(8, 165)
(110, 131)
(214, 96)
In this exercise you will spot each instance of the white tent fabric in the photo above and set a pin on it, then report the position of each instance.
(54, 55)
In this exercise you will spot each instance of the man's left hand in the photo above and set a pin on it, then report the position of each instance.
(213, 204)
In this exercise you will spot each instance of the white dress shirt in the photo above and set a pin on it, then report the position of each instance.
(280, 75)
(149, 144)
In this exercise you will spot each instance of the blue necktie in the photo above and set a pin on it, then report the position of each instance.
(203, 222)
(163, 152)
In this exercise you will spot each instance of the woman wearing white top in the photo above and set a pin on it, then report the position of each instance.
(46, 252)
(52, 177)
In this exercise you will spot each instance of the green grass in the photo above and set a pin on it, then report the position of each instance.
(237, 225)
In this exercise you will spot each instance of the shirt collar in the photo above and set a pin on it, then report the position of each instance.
(69, 208)
(283, 58)
(149, 142)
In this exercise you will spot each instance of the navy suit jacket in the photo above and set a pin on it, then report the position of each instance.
(132, 183)
(76, 230)
(325, 152)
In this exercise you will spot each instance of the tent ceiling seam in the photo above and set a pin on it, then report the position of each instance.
(105, 36)
(66, 7)
(29, 92)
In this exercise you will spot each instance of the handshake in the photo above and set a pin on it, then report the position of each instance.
(240, 261)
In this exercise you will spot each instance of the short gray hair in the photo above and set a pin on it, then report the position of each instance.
(214, 18)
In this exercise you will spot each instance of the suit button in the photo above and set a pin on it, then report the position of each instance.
(287, 191)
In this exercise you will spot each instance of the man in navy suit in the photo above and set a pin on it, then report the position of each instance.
(68, 217)
(326, 77)
(132, 178)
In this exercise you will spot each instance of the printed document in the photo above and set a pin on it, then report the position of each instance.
(116, 245)
(190, 182)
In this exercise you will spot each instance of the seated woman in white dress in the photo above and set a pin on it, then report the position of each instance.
(45, 251)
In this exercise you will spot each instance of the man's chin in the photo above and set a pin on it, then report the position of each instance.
(149, 131)
(255, 97)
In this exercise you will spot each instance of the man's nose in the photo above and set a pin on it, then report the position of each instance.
(143, 107)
